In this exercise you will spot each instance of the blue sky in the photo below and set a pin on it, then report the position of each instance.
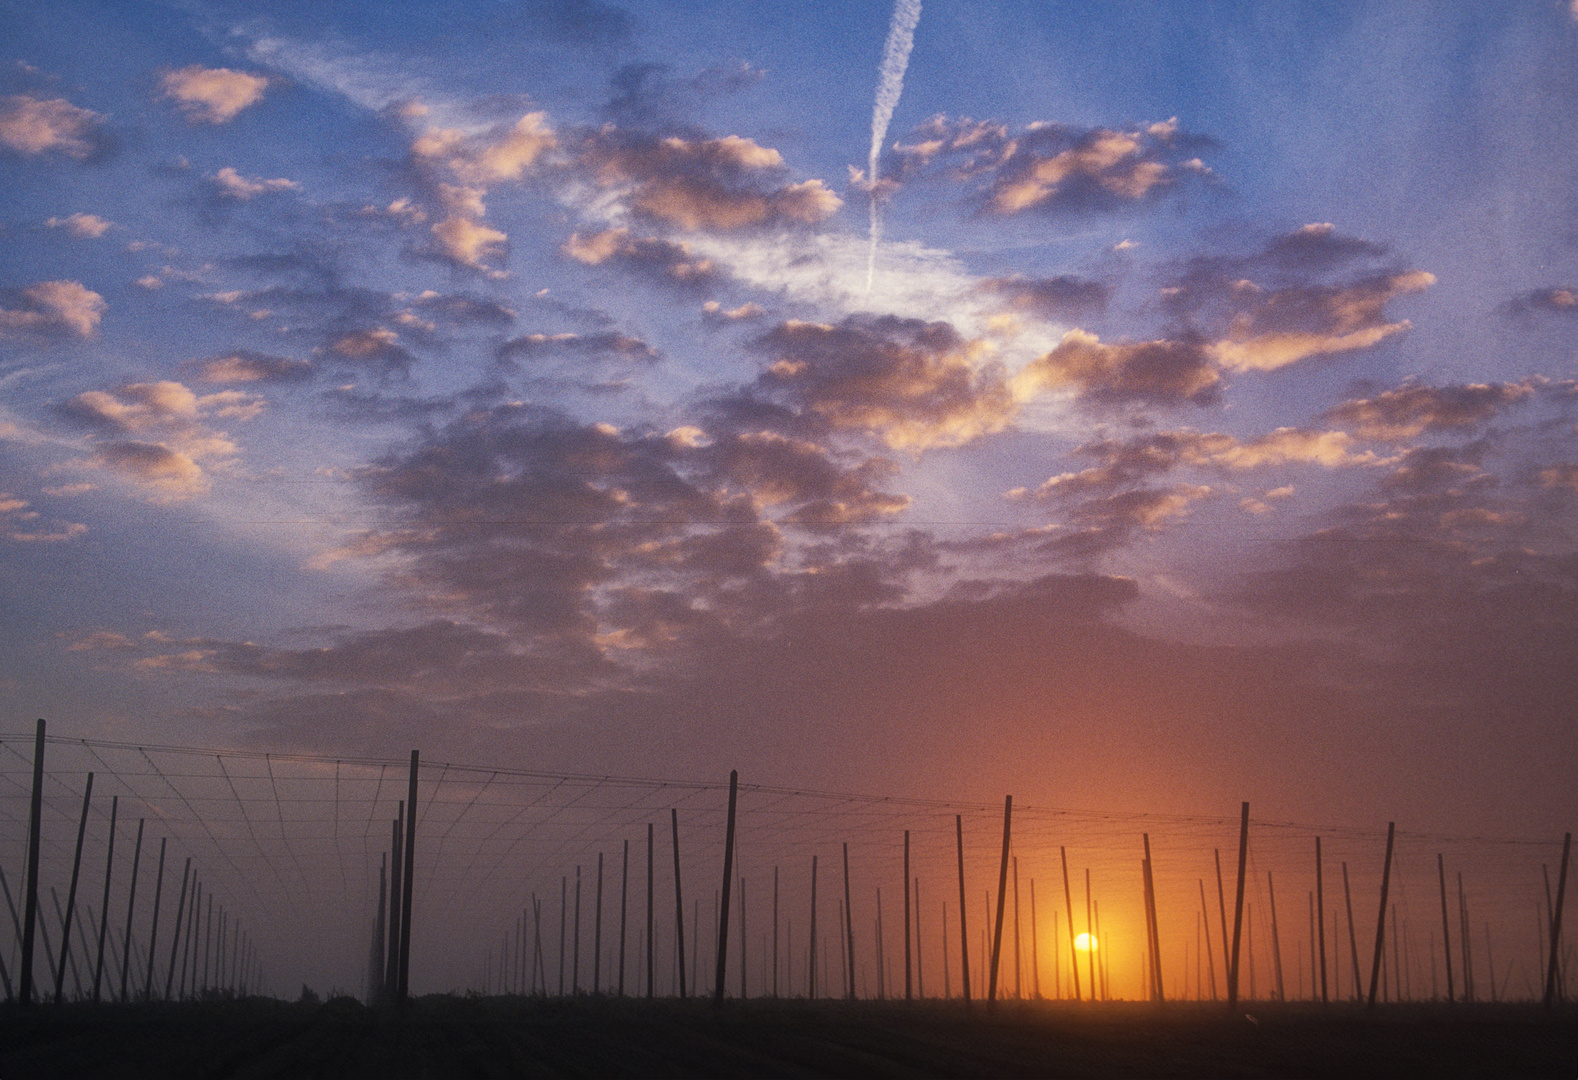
(503, 380)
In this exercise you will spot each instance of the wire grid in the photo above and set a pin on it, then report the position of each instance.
(506, 883)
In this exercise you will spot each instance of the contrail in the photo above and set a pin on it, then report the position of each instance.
(890, 84)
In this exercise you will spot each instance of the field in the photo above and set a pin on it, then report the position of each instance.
(441, 1036)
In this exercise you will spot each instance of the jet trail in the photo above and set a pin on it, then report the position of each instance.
(890, 84)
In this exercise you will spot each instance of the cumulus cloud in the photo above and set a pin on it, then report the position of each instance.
(608, 344)
(1413, 409)
(1556, 300)
(376, 347)
(1305, 294)
(212, 95)
(1056, 298)
(54, 307)
(913, 384)
(156, 434)
(1159, 372)
(230, 184)
(87, 226)
(719, 184)
(22, 525)
(1052, 167)
(669, 262)
(247, 366)
(33, 126)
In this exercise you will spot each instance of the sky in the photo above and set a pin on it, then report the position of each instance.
(522, 383)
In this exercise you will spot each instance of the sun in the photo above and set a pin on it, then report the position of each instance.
(1085, 943)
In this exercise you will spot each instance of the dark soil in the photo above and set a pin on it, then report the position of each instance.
(601, 1037)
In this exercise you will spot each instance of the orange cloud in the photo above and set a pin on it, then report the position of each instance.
(212, 95)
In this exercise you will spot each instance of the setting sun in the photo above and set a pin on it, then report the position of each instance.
(1085, 943)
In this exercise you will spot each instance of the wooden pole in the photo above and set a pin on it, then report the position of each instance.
(1276, 939)
(104, 918)
(30, 881)
(811, 957)
(679, 902)
(1210, 952)
(403, 988)
(1221, 907)
(396, 877)
(907, 987)
(208, 942)
(1068, 899)
(920, 979)
(881, 959)
(1238, 907)
(1553, 987)
(1446, 927)
(624, 906)
(189, 947)
(743, 993)
(651, 895)
(1320, 919)
(849, 928)
(597, 932)
(1019, 985)
(175, 935)
(1380, 924)
(1353, 937)
(1035, 947)
(728, 881)
(1002, 896)
(1155, 929)
(153, 930)
(381, 932)
(131, 901)
(71, 893)
(575, 954)
(1090, 938)
(964, 933)
(1464, 941)
(947, 977)
(775, 930)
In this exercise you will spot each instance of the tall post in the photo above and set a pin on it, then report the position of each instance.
(1068, 900)
(403, 989)
(1002, 896)
(1276, 940)
(175, 935)
(849, 926)
(131, 901)
(1380, 924)
(380, 932)
(743, 993)
(728, 880)
(1035, 946)
(575, 953)
(775, 930)
(679, 903)
(811, 958)
(907, 988)
(1353, 937)
(396, 900)
(624, 907)
(71, 893)
(1210, 952)
(104, 917)
(1320, 919)
(597, 932)
(1019, 987)
(964, 933)
(1090, 939)
(1553, 969)
(1238, 907)
(1446, 928)
(651, 860)
(1152, 930)
(153, 930)
(30, 883)
(920, 975)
